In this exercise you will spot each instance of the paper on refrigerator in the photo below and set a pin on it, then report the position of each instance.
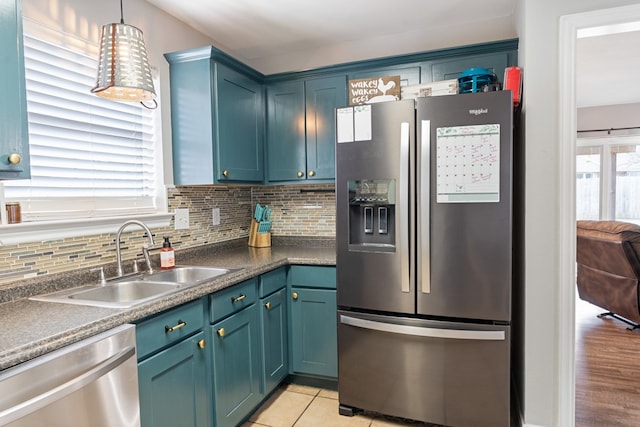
(354, 124)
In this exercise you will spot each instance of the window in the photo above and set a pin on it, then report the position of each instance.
(626, 166)
(608, 178)
(90, 157)
(588, 166)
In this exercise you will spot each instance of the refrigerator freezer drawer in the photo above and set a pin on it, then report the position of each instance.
(449, 373)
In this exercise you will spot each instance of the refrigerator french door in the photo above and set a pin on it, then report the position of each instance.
(424, 258)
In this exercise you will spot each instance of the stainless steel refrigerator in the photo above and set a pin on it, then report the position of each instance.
(424, 258)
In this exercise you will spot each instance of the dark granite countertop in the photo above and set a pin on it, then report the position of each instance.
(32, 328)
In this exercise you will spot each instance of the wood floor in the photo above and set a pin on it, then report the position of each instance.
(607, 370)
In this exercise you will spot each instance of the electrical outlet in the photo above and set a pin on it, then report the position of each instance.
(216, 216)
(181, 218)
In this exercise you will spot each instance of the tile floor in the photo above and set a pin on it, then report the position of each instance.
(304, 406)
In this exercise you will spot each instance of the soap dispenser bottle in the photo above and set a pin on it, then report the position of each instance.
(167, 256)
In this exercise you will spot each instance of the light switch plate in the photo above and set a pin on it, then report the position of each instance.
(181, 218)
(215, 216)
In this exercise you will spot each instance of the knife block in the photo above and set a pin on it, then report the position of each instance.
(258, 240)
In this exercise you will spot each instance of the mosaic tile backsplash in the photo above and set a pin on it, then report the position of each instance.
(298, 210)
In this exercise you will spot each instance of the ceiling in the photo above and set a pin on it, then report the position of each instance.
(283, 35)
(307, 34)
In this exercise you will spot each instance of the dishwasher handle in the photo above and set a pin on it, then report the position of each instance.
(420, 331)
(40, 401)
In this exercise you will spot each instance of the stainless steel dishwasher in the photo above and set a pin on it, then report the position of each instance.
(91, 383)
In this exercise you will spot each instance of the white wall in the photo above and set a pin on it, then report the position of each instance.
(609, 116)
(162, 33)
(539, 56)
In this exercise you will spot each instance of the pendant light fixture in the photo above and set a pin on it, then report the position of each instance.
(123, 70)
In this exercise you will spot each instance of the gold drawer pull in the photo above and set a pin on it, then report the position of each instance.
(202, 344)
(312, 173)
(294, 295)
(15, 158)
(238, 298)
(268, 306)
(300, 174)
(180, 324)
(221, 332)
(225, 173)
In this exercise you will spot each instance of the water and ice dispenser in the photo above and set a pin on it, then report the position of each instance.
(372, 215)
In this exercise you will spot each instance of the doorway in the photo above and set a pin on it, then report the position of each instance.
(570, 26)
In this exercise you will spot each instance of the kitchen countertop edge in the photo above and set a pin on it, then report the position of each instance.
(33, 328)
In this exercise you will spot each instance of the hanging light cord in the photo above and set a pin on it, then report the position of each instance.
(121, 13)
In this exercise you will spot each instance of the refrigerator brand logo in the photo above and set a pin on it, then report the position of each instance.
(479, 111)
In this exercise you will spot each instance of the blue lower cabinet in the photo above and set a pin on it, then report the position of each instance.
(172, 383)
(236, 366)
(275, 348)
(314, 338)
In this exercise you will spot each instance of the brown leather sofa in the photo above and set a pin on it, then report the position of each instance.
(609, 267)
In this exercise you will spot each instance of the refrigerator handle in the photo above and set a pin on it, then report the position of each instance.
(402, 224)
(419, 331)
(424, 255)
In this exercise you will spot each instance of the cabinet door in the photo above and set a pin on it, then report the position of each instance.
(451, 69)
(286, 148)
(236, 366)
(322, 97)
(314, 332)
(14, 141)
(173, 388)
(191, 122)
(273, 322)
(239, 127)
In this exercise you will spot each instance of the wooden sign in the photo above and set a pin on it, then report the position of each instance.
(376, 89)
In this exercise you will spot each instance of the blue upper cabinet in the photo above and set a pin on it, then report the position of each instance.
(220, 107)
(240, 127)
(14, 138)
(286, 145)
(217, 119)
(301, 128)
(322, 96)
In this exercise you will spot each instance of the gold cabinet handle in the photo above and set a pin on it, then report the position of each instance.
(15, 158)
(180, 324)
(221, 332)
(294, 295)
(238, 298)
(267, 306)
(300, 174)
(225, 173)
(202, 344)
(311, 173)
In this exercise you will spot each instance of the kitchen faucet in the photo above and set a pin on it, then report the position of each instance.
(145, 248)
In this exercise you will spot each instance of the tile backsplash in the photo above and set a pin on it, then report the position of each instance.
(298, 210)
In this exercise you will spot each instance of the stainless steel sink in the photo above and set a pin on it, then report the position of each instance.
(187, 274)
(124, 293)
(116, 295)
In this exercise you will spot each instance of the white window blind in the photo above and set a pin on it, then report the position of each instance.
(90, 157)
